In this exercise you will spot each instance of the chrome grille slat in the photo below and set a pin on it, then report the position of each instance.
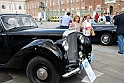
(72, 52)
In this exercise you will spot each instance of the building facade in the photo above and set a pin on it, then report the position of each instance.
(112, 6)
(52, 7)
(12, 6)
(77, 7)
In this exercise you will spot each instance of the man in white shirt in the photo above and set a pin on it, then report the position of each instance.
(66, 20)
(102, 19)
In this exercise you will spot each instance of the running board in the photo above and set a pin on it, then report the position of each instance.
(71, 73)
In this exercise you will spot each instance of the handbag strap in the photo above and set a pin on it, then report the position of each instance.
(75, 25)
(84, 27)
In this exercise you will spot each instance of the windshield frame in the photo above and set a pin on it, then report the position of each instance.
(5, 23)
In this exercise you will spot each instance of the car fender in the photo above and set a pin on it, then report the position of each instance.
(23, 54)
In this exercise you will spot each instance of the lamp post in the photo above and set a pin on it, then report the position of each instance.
(59, 11)
(71, 6)
(45, 13)
(80, 7)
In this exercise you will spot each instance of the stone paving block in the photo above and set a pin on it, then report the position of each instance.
(113, 72)
(71, 80)
(107, 79)
(97, 65)
(11, 81)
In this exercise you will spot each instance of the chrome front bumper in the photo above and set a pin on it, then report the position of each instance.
(71, 73)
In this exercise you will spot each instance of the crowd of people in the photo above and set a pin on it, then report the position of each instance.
(71, 19)
(84, 24)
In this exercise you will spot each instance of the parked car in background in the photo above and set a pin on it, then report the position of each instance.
(105, 34)
(55, 18)
(46, 54)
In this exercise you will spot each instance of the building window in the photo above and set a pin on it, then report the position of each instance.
(28, 6)
(50, 3)
(24, 6)
(20, 7)
(90, 8)
(98, 7)
(67, 1)
(72, 1)
(15, 6)
(32, 5)
(3, 7)
(10, 6)
(62, 1)
(77, 0)
(46, 3)
(110, 1)
(54, 2)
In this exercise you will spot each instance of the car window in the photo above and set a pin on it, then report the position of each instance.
(18, 21)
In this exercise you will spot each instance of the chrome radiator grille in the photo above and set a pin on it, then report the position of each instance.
(72, 51)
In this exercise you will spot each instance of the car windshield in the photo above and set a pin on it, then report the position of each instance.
(18, 21)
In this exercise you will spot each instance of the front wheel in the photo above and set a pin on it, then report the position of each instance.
(106, 39)
(40, 70)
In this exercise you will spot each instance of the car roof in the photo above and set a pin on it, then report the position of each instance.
(7, 14)
(103, 25)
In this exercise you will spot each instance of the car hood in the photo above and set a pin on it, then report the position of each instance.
(39, 31)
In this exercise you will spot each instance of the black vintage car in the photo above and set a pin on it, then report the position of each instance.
(47, 54)
(105, 34)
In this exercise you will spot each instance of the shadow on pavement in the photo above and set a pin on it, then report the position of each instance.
(4, 75)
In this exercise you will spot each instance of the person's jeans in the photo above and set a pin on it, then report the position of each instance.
(121, 43)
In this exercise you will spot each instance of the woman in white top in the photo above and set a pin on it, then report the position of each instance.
(76, 25)
(87, 26)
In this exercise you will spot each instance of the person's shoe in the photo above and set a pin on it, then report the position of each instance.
(120, 52)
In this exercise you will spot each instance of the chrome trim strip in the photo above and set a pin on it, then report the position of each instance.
(67, 32)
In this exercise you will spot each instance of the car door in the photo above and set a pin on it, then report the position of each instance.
(4, 47)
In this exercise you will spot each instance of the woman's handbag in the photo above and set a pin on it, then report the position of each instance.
(92, 32)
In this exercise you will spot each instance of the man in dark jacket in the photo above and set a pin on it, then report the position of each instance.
(119, 21)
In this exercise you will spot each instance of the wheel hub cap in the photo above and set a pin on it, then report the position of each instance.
(105, 39)
(42, 74)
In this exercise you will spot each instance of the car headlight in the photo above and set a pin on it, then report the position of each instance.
(65, 45)
(80, 54)
(81, 38)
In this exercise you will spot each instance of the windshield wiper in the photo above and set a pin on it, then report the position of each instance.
(7, 23)
(10, 27)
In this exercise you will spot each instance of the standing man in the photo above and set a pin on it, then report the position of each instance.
(102, 19)
(108, 19)
(96, 17)
(66, 20)
(119, 21)
(41, 20)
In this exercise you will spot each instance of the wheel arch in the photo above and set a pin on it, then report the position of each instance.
(37, 48)
(45, 53)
